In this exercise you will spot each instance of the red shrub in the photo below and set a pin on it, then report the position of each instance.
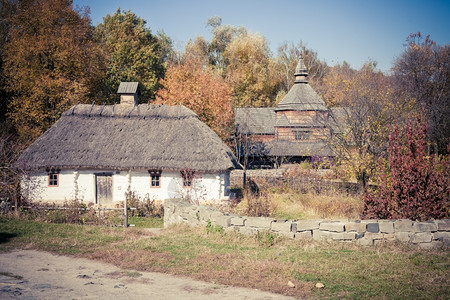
(411, 187)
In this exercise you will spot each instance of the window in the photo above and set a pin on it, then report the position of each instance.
(188, 177)
(187, 182)
(53, 179)
(155, 178)
(301, 135)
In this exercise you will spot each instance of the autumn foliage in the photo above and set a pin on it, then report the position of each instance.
(50, 63)
(411, 186)
(202, 90)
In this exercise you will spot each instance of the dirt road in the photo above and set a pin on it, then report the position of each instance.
(28, 274)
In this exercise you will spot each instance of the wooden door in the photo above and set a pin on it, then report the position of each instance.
(104, 189)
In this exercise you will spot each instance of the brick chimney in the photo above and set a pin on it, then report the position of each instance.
(128, 93)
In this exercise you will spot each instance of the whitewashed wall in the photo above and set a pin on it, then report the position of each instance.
(81, 185)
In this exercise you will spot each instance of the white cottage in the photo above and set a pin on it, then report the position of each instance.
(97, 153)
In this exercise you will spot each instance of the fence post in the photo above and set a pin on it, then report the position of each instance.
(126, 212)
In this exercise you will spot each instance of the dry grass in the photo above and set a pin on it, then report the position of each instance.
(347, 270)
(300, 194)
(315, 206)
(291, 204)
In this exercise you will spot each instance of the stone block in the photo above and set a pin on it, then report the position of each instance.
(386, 226)
(340, 236)
(443, 225)
(304, 225)
(287, 234)
(441, 235)
(332, 226)
(294, 227)
(247, 231)
(365, 242)
(282, 226)
(403, 236)
(223, 221)
(359, 235)
(237, 221)
(186, 215)
(372, 227)
(303, 235)
(389, 236)
(421, 237)
(216, 213)
(355, 226)
(254, 222)
(431, 245)
(373, 236)
(403, 225)
(319, 235)
(204, 213)
(424, 226)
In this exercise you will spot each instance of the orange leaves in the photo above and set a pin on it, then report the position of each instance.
(50, 63)
(202, 90)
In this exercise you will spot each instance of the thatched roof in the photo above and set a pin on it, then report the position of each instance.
(122, 137)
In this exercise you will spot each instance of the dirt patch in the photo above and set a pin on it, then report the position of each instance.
(40, 275)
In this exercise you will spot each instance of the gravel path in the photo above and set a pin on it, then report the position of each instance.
(29, 274)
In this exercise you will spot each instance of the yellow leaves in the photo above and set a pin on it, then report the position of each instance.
(247, 73)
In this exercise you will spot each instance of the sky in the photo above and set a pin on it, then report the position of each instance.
(341, 30)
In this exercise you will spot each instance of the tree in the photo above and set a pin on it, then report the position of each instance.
(287, 60)
(222, 36)
(423, 70)
(202, 90)
(134, 53)
(10, 175)
(7, 9)
(368, 104)
(410, 185)
(197, 50)
(50, 63)
(251, 71)
(336, 83)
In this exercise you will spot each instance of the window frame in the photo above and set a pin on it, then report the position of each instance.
(187, 182)
(155, 181)
(155, 177)
(53, 180)
(302, 135)
(188, 177)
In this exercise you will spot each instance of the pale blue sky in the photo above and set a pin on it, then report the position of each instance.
(350, 30)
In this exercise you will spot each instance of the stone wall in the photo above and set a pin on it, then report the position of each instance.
(426, 235)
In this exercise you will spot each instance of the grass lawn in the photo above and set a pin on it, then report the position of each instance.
(347, 271)
(142, 222)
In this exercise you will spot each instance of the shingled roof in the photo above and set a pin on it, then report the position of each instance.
(255, 120)
(301, 96)
(124, 137)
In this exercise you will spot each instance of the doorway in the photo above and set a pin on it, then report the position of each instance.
(103, 187)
